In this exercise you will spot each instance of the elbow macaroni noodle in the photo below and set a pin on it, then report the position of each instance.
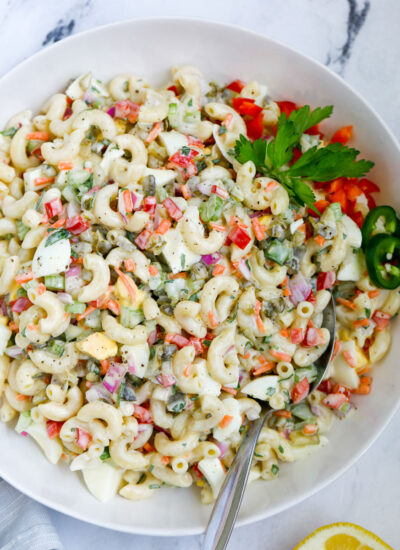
(136, 328)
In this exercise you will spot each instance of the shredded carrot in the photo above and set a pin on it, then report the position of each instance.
(281, 355)
(319, 239)
(148, 447)
(64, 165)
(373, 293)
(361, 323)
(228, 121)
(283, 413)
(186, 370)
(364, 387)
(212, 318)
(153, 270)
(56, 225)
(129, 284)
(13, 326)
(41, 289)
(258, 229)
(346, 303)
(185, 191)
(113, 306)
(285, 286)
(302, 228)
(22, 397)
(163, 227)
(284, 332)
(229, 390)
(105, 365)
(128, 203)
(310, 429)
(260, 324)
(129, 265)
(154, 133)
(87, 312)
(271, 185)
(180, 275)
(37, 182)
(246, 356)
(218, 270)
(217, 227)
(364, 370)
(24, 277)
(336, 348)
(226, 420)
(264, 368)
(165, 460)
(41, 136)
(223, 466)
(32, 327)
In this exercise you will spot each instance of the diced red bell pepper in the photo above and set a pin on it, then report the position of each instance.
(182, 160)
(53, 208)
(174, 89)
(368, 186)
(296, 155)
(255, 126)
(173, 209)
(381, 319)
(20, 304)
(300, 390)
(240, 237)
(149, 205)
(326, 280)
(236, 86)
(246, 106)
(76, 225)
(371, 201)
(341, 388)
(127, 109)
(313, 337)
(142, 239)
(343, 135)
(220, 192)
(177, 339)
(311, 297)
(83, 438)
(325, 386)
(142, 414)
(358, 218)
(287, 107)
(53, 428)
(197, 344)
(352, 190)
(335, 400)
(314, 131)
(296, 335)
(321, 206)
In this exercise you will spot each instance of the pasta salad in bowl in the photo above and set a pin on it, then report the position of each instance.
(169, 241)
(167, 257)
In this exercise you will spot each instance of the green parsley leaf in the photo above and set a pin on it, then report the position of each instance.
(245, 150)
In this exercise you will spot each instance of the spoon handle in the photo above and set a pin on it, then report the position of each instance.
(227, 505)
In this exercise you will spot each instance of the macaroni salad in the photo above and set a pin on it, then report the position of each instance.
(166, 257)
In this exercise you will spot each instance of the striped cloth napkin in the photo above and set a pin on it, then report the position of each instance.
(24, 523)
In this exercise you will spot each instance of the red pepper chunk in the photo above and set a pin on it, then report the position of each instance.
(177, 339)
(142, 414)
(53, 428)
(246, 106)
(127, 109)
(314, 337)
(342, 135)
(149, 205)
(142, 239)
(20, 304)
(240, 237)
(325, 280)
(182, 160)
(236, 86)
(53, 208)
(325, 386)
(173, 210)
(220, 192)
(321, 206)
(174, 89)
(76, 225)
(296, 335)
(255, 126)
(300, 390)
(287, 107)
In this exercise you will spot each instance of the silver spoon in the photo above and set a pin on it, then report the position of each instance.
(226, 507)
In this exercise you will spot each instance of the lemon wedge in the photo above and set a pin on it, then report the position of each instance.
(342, 536)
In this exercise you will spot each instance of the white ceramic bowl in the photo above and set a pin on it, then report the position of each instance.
(149, 47)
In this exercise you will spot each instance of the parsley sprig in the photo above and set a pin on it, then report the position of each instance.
(318, 163)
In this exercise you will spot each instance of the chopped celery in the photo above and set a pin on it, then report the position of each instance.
(76, 307)
(211, 209)
(78, 177)
(69, 193)
(302, 411)
(310, 373)
(173, 116)
(24, 421)
(33, 144)
(54, 282)
(161, 194)
(73, 332)
(336, 210)
(10, 132)
(298, 439)
(21, 293)
(93, 319)
(56, 347)
(277, 252)
(22, 230)
(131, 317)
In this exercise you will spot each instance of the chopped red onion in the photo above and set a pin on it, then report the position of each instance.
(286, 433)
(300, 289)
(244, 270)
(65, 298)
(93, 190)
(223, 447)
(204, 188)
(111, 112)
(74, 272)
(98, 392)
(152, 338)
(258, 214)
(88, 97)
(315, 410)
(210, 259)
(114, 376)
(166, 379)
(25, 434)
(13, 351)
(20, 305)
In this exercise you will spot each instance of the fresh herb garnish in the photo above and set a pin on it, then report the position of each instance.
(57, 236)
(318, 163)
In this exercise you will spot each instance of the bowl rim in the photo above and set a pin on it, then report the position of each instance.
(189, 531)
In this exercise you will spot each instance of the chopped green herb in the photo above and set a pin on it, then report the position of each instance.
(281, 449)
(274, 469)
(10, 132)
(57, 236)
(106, 454)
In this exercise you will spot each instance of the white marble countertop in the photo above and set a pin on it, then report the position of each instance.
(359, 39)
